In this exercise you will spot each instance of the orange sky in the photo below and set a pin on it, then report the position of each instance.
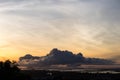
(36, 27)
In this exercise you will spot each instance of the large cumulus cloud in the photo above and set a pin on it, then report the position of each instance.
(58, 57)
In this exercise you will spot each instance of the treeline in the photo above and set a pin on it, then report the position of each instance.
(9, 71)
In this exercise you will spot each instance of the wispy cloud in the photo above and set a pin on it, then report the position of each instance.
(55, 22)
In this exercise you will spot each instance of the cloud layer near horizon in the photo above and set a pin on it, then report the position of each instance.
(58, 57)
(91, 26)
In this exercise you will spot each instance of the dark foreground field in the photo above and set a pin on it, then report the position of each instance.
(10, 71)
(69, 75)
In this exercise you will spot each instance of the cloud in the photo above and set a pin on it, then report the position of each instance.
(55, 22)
(58, 57)
(28, 56)
(115, 58)
(113, 55)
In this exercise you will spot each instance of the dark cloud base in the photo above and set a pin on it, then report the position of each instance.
(58, 57)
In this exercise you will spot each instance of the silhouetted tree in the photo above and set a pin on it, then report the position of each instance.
(9, 71)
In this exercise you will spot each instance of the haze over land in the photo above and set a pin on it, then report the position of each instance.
(36, 26)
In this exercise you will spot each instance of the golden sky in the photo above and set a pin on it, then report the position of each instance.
(36, 26)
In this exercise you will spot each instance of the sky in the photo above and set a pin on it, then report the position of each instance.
(37, 26)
